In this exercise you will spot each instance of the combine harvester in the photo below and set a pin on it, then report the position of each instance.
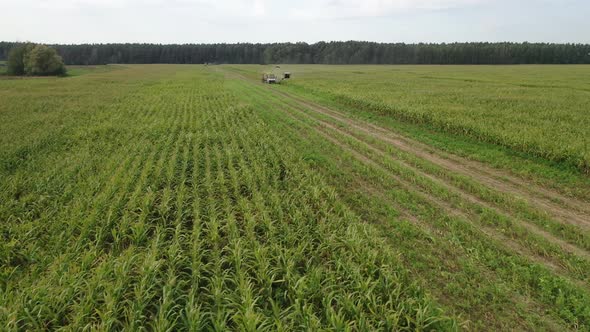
(273, 77)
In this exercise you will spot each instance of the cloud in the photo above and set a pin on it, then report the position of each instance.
(72, 21)
(334, 9)
(201, 8)
(303, 9)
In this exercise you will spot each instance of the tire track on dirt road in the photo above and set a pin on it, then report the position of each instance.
(471, 199)
(560, 207)
(443, 206)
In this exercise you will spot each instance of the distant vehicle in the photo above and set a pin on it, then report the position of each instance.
(275, 75)
(269, 78)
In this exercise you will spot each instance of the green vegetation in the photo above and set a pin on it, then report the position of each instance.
(179, 197)
(334, 52)
(83, 70)
(34, 60)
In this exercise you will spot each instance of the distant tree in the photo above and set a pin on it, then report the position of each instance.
(16, 58)
(43, 60)
(31, 59)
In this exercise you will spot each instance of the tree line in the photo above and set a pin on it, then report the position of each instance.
(349, 52)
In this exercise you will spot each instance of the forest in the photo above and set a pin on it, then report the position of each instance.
(349, 52)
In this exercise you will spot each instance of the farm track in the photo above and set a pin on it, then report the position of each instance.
(490, 232)
(566, 209)
(464, 167)
(469, 198)
(467, 216)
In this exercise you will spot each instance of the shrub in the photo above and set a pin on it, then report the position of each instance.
(15, 63)
(30, 59)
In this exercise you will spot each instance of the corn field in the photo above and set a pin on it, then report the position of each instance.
(157, 218)
(189, 198)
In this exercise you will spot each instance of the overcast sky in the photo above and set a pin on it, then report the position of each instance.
(206, 21)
